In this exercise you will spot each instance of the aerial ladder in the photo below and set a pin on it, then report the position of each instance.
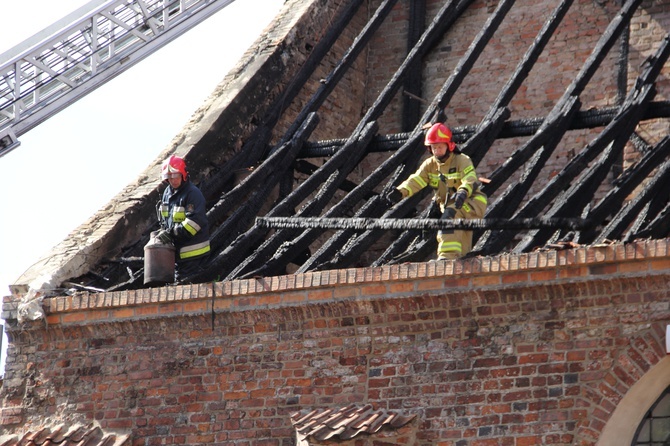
(61, 64)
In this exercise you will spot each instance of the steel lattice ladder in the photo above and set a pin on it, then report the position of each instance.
(82, 51)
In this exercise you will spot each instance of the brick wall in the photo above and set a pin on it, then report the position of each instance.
(519, 349)
(536, 348)
(560, 62)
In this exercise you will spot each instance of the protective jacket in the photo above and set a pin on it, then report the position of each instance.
(445, 177)
(183, 213)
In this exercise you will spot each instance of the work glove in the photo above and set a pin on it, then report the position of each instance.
(434, 210)
(448, 214)
(459, 198)
(393, 196)
(164, 237)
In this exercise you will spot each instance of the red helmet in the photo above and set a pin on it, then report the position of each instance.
(174, 164)
(440, 133)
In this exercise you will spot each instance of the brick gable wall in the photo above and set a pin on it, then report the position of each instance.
(535, 349)
(559, 64)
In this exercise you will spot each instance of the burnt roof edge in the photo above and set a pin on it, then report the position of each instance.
(131, 212)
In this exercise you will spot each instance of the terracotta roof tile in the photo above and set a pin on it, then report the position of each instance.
(63, 435)
(346, 422)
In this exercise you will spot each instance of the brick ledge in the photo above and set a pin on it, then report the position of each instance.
(641, 257)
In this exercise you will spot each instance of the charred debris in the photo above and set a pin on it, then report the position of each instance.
(305, 228)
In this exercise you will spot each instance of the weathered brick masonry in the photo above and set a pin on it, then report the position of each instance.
(534, 348)
(540, 348)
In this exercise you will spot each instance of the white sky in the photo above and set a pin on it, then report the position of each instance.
(70, 166)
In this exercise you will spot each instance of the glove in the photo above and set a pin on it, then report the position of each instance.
(448, 214)
(434, 211)
(459, 198)
(393, 196)
(164, 237)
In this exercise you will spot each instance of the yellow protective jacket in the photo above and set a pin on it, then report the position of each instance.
(454, 173)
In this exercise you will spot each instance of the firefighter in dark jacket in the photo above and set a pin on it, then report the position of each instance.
(183, 219)
(457, 189)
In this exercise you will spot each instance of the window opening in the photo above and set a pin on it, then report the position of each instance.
(655, 427)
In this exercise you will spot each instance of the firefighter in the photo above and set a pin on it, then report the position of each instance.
(457, 189)
(183, 219)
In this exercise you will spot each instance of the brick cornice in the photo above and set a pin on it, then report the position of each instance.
(504, 271)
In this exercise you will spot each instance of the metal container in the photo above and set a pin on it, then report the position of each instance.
(158, 263)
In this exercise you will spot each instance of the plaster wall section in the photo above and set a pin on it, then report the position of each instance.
(534, 348)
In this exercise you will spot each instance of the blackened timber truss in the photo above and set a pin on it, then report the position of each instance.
(330, 220)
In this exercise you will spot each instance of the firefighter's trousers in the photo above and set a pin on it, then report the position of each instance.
(452, 244)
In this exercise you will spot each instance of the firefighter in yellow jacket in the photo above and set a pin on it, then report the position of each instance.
(457, 189)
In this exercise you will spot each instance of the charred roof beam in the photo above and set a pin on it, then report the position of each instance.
(523, 154)
(441, 99)
(620, 129)
(388, 224)
(565, 179)
(411, 110)
(411, 245)
(437, 27)
(657, 187)
(583, 119)
(628, 182)
(219, 266)
(256, 144)
(327, 179)
(371, 208)
(258, 186)
(236, 250)
(492, 124)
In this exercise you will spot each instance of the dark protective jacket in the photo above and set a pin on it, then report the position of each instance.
(183, 213)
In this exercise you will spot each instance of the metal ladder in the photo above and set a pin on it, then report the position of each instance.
(64, 62)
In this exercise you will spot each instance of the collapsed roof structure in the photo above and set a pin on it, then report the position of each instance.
(310, 200)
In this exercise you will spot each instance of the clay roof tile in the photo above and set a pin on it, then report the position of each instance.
(62, 435)
(347, 422)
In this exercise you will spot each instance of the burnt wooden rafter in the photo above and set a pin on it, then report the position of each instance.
(562, 111)
(411, 111)
(264, 264)
(576, 193)
(467, 61)
(628, 182)
(658, 186)
(300, 215)
(492, 124)
(576, 197)
(411, 245)
(371, 208)
(616, 134)
(583, 119)
(256, 144)
(214, 270)
(389, 222)
(254, 190)
(540, 147)
(264, 258)
(658, 227)
(361, 242)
